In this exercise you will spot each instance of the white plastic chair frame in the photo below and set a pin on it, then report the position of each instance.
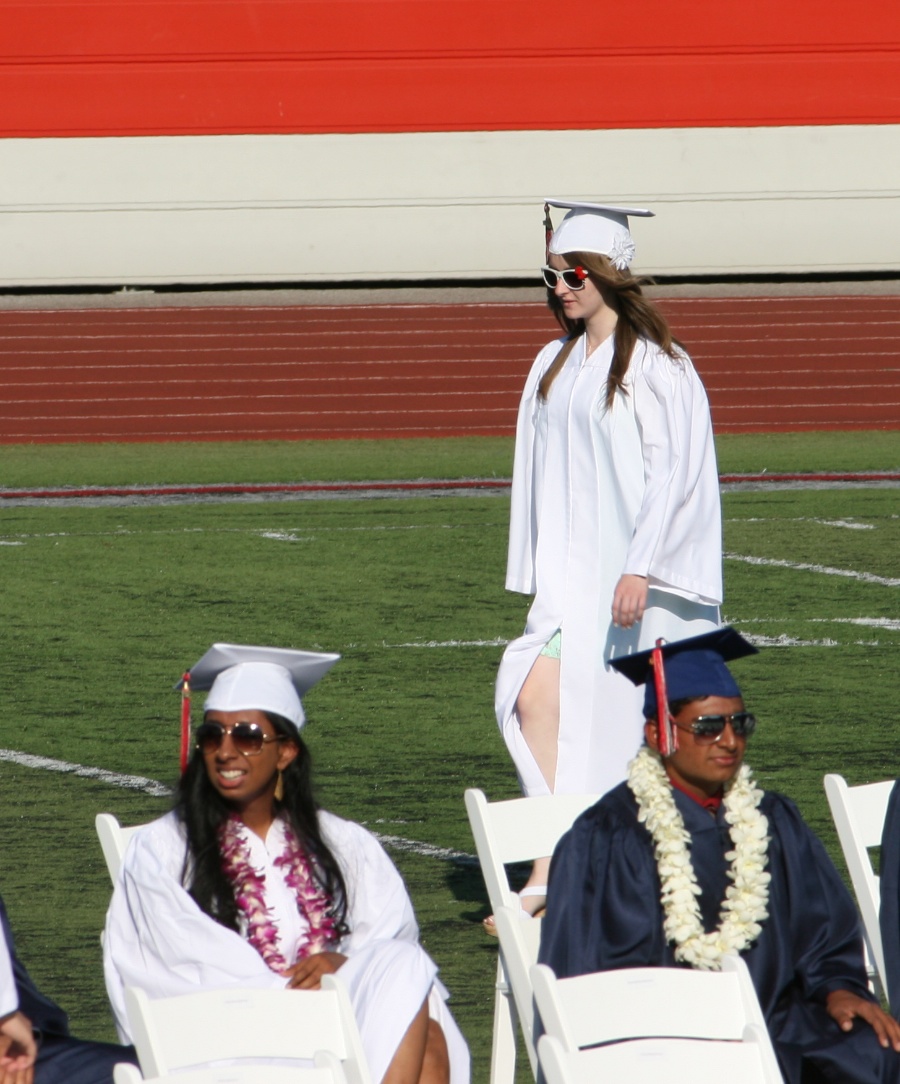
(201, 1029)
(113, 841)
(237, 1074)
(650, 1061)
(518, 830)
(655, 1004)
(858, 814)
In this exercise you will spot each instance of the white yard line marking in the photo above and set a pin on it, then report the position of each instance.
(789, 641)
(890, 623)
(426, 850)
(851, 525)
(823, 570)
(114, 779)
(158, 790)
(498, 642)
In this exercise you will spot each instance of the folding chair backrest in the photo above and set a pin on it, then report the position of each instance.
(238, 1074)
(195, 1030)
(518, 830)
(651, 1061)
(113, 841)
(647, 1002)
(858, 814)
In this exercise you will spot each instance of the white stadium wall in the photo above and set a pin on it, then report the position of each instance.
(208, 141)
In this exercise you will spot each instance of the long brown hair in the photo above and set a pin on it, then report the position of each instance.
(638, 318)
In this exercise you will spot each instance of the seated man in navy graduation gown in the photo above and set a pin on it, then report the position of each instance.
(35, 1044)
(620, 892)
(889, 914)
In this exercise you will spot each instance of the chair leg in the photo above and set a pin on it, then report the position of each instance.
(503, 1047)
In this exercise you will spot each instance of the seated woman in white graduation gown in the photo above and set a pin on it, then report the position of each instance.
(247, 884)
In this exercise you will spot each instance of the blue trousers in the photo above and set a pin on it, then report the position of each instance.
(64, 1060)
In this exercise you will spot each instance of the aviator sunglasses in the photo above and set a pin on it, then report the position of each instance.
(708, 729)
(247, 738)
(573, 277)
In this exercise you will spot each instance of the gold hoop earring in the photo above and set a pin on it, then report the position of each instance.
(279, 788)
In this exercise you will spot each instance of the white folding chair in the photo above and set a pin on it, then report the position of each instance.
(858, 815)
(520, 939)
(518, 830)
(211, 1027)
(656, 1003)
(653, 1061)
(238, 1074)
(113, 841)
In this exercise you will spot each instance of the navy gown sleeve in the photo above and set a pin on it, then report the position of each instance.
(603, 894)
(889, 916)
(813, 923)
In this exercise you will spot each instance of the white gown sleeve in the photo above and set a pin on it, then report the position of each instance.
(677, 540)
(9, 998)
(525, 495)
(156, 936)
(379, 907)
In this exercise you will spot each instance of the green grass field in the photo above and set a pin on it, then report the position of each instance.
(103, 607)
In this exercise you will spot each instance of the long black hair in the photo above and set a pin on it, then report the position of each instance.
(202, 810)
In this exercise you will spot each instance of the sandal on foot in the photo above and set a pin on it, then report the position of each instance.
(537, 892)
(534, 891)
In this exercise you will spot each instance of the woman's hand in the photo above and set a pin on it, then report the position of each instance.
(844, 1007)
(307, 974)
(629, 600)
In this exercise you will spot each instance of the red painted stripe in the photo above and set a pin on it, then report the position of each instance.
(145, 67)
(351, 488)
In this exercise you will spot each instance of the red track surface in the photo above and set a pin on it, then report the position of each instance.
(769, 364)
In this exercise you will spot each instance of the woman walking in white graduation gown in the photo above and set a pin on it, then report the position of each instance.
(615, 522)
(246, 883)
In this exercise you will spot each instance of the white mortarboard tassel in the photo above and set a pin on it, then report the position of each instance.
(595, 227)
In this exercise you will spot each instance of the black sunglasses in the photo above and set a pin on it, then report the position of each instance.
(247, 738)
(708, 729)
(573, 277)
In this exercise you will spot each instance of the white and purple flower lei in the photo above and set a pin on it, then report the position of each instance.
(313, 902)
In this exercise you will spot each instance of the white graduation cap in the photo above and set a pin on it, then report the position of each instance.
(595, 227)
(242, 678)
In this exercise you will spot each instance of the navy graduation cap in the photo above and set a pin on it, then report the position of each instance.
(682, 669)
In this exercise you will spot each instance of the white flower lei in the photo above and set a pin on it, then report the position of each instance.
(744, 906)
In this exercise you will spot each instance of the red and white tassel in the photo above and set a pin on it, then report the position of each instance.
(668, 734)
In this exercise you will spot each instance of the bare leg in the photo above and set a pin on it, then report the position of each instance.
(538, 711)
(421, 1057)
(436, 1063)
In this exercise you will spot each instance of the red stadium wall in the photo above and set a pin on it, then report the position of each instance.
(197, 67)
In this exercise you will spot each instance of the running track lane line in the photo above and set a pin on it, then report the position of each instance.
(852, 336)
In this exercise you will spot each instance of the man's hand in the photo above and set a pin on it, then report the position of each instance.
(17, 1049)
(307, 974)
(844, 1007)
(629, 600)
